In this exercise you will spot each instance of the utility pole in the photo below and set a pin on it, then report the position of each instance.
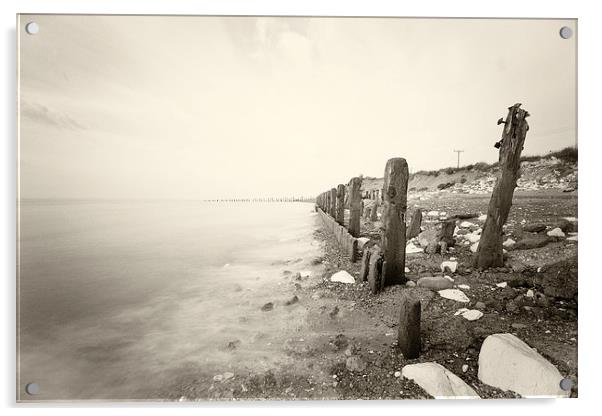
(458, 152)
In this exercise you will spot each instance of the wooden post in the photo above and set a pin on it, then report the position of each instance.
(415, 224)
(333, 203)
(393, 234)
(340, 215)
(374, 212)
(355, 206)
(490, 250)
(408, 335)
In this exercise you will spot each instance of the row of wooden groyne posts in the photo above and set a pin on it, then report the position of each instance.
(383, 264)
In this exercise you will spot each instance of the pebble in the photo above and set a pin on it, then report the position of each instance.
(502, 285)
(450, 265)
(465, 368)
(397, 374)
(556, 232)
(267, 307)
(410, 283)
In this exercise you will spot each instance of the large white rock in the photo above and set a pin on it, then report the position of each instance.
(411, 249)
(472, 237)
(342, 277)
(482, 217)
(556, 232)
(508, 363)
(474, 247)
(451, 265)
(469, 314)
(466, 224)
(438, 381)
(454, 294)
(509, 243)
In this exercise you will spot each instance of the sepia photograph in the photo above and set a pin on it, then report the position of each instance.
(294, 208)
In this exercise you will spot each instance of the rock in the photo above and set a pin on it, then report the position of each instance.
(464, 287)
(573, 238)
(469, 314)
(536, 241)
(511, 307)
(228, 375)
(291, 301)
(365, 265)
(472, 237)
(427, 238)
(518, 282)
(474, 247)
(502, 285)
(508, 363)
(411, 249)
(467, 224)
(518, 326)
(375, 276)
(340, 342)
(355, 364)
(449, 265)
(559, 279)
(480, 305)
(556, 232)
(530, 293)
(464, 368)
(397, 374)
(534, 228)
(438, 381)
(410, 283)
(267, 307)
(482, 217)
(435, 283)
(454, 294)
(342, 277)
(218, 377)
(509, 243)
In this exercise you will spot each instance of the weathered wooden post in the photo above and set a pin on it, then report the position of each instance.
(393, 235)
(490, 250)
(333, 203)
(408, 334)
(374, 212)
(355, 206)
(415, 224)
(340, 217)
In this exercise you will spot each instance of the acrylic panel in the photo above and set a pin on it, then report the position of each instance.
(296, 208)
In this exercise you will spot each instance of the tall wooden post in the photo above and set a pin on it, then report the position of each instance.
(408, 333)
(415, 224)
(340, 217)
(393, 234)
(355, 206)
(374, 212)
(333, 203)
(490, 250)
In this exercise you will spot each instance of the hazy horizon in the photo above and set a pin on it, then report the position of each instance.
(157, 107)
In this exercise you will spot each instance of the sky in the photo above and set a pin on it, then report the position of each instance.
(147, 107)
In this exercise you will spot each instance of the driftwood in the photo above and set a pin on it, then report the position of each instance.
(490, 250)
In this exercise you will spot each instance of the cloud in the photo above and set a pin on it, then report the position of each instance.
(42, 114)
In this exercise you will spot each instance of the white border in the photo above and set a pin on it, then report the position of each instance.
(590, 94)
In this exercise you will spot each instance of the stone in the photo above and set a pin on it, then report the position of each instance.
(464, 287)
(559, 279)
(502, 284)
(228, 375)
(449, 265)
(474, 247)
(410, 283)
(438, 381)
(556, 232)
(454, 294)
(435, 283)
(361, 242)
(509, 243)
(518, 326)
(292, 301)
(427, 238)
(355, 364)
(507, 363)
(482, 217)
(480, 305)
(472, 237)
(342, 277)
(534, 228)
(365, 265)
(397, 374)
(415, 224)
(467, 224)
(535, 241)
(267, 307)
(464, 368)
(412, 249)
(469, 314)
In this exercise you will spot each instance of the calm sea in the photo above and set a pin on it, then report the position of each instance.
(119, 299)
